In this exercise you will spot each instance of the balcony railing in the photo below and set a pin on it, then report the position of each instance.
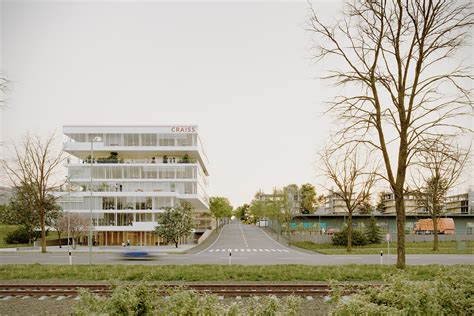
(160, 161)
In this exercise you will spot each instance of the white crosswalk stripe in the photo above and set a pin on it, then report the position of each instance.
(248, 250)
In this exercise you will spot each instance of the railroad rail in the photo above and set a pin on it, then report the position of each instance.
(228, 290)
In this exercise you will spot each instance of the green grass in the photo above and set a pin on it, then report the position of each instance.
(5, 229)
(217, 272)
(445, 247)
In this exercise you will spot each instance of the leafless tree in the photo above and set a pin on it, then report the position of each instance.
(32, 170)
(353, 178)
(399, 62)
(442, 163)
(78, 225)
(3, 88)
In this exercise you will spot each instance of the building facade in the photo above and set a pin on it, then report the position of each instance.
(454, 204)
(128, 174)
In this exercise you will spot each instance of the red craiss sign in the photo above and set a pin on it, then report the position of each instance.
(183, 129)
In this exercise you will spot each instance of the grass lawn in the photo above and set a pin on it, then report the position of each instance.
(445, 247)
(5, 229)
(357, 273)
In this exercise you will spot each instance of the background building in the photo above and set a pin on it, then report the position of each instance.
(134, 172)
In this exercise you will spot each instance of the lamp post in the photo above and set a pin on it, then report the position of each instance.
(91, 224)
(68, 181)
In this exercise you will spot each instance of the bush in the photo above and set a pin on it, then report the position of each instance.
(374, 236)
(144, 299)
(358, 238)
(19, 236)
(450, 293)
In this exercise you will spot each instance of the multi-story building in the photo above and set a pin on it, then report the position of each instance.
(454, 204)
(412, 204)
(128, 174)
(334, 204)
(460, 203)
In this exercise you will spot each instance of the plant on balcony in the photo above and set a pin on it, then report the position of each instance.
(112, 158)
(165, 159)
(185, 159)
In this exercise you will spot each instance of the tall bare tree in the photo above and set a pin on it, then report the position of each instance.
(3, 88)
(353, 178)
(442, 163)
(404, 79)
(32, 170)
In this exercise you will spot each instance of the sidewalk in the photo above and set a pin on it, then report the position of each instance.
(98, 249)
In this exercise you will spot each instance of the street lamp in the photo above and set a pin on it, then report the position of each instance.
(95, 139)
(68, 181)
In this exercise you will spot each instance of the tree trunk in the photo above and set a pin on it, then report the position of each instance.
(400, 208)
(435, 232)
(349, 232)
(59, 240)
(176, 244)
(43, 233)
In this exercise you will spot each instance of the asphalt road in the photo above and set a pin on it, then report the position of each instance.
(236, 244)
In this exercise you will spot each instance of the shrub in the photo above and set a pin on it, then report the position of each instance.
(18, 236)
(372, 232)
(358, 238)
(144, 300)
(450, 293)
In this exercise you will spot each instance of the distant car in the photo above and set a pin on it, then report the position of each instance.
(331, 231)
(137, 254)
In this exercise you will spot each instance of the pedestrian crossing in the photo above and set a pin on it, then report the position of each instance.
(248, 250)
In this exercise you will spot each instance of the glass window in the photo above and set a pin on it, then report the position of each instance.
(113, 139)
(143, 217)
(131, 139)
(149, 139)
(124, 219)
(140, 203)
(167, 140)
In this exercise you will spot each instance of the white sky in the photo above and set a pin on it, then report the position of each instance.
(241, 71)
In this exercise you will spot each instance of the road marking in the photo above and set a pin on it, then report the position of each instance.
(242, 250)
(249, 249)
(236, 250)
(267, 250)
(211, 250)
(273, 250)
(241, 230)
(218, 250)
(276, 242)
(260, 249)
(212, 245)
(254, 249)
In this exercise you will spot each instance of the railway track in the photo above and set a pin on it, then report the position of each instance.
(228, 290)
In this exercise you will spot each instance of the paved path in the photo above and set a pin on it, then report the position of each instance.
(236, 244)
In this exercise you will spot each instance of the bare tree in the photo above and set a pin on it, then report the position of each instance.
(353, 178)
(3, 88)
(399, 60)
(32, 170)
(442, 163)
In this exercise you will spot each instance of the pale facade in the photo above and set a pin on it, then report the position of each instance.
(135, 172)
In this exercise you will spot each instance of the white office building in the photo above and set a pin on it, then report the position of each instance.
(128, 174)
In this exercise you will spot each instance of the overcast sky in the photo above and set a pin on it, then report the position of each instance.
(240, 71)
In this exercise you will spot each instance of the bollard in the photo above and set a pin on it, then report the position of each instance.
(230, 257)
(70, 258)
(381, 256)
